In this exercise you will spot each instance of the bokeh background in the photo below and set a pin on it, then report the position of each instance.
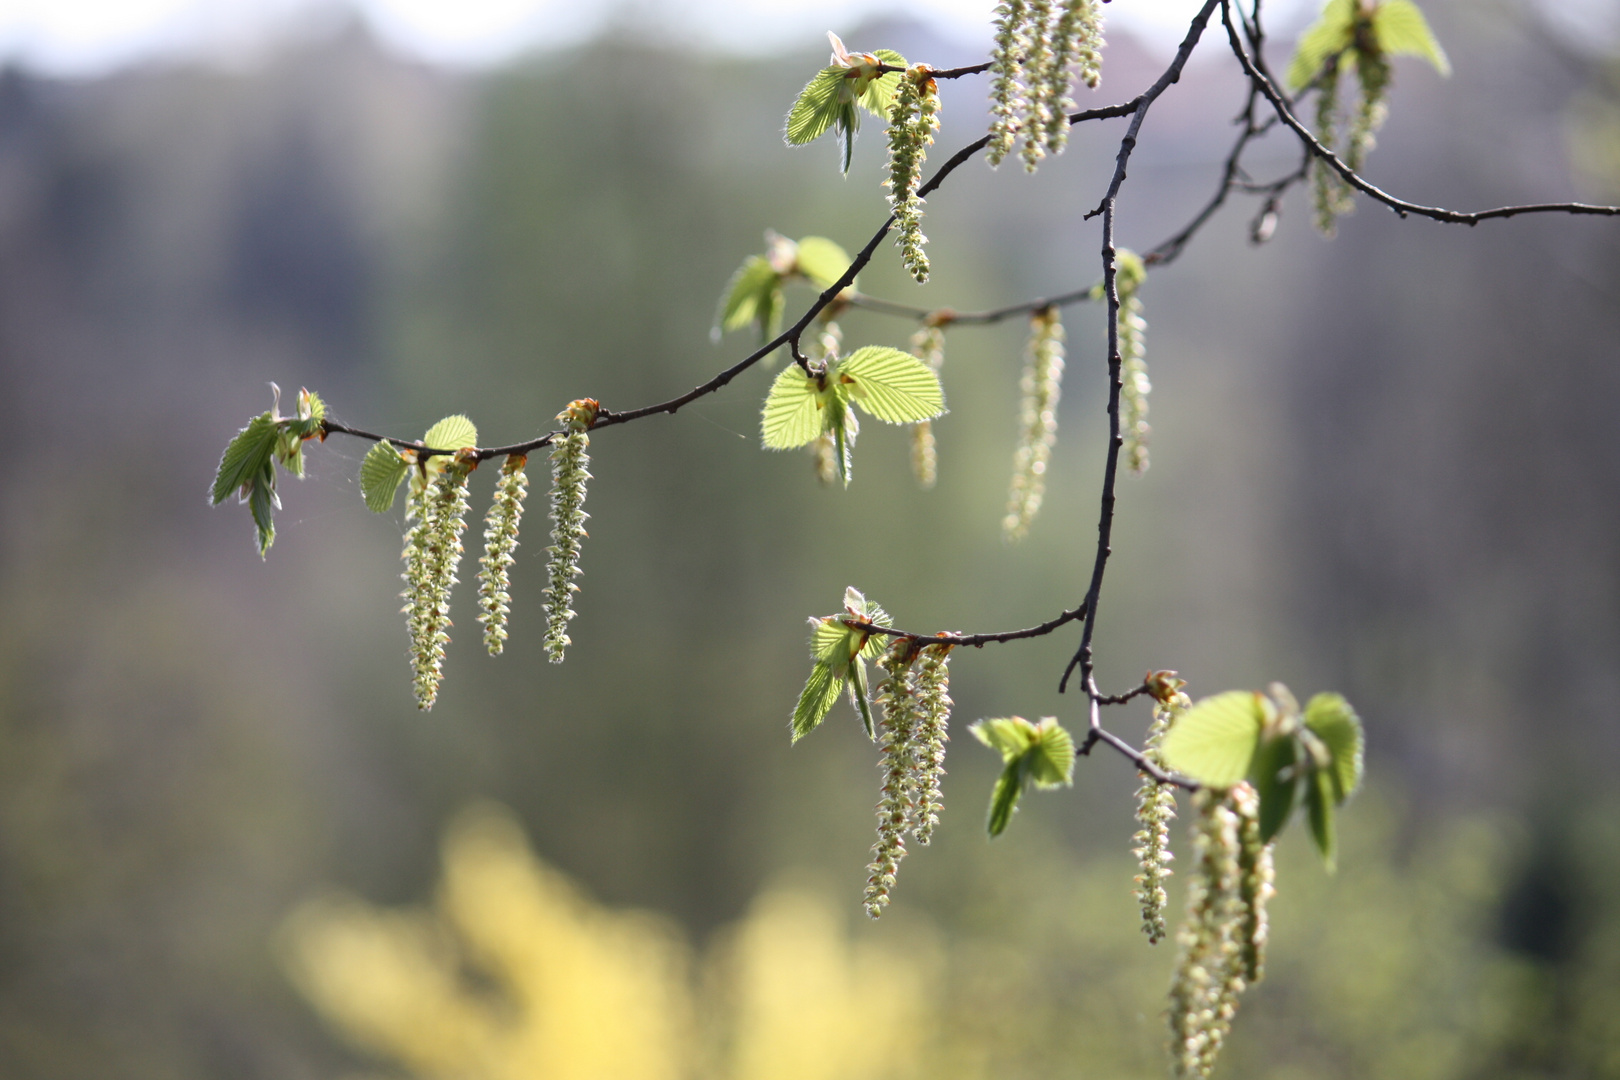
(230, 846)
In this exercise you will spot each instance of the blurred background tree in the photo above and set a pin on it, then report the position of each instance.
(1387, 465)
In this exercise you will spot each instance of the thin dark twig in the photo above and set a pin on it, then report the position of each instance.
(972, 640)
(942, 73)
(1105, 524)
(609, 418)
(1101, 735)
(1402, 208)
(948, 317)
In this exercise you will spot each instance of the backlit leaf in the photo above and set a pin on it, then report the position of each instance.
(748, 294)
(1332, 33)
(820, 691)
(452, 433)
(821, 260)
(382, 470)
(1276, 780)
(244, 457)
(1215, 740)
(1403, 31)
(878, 97)
(1319, 802)
(892, 385)
(1051, 759)
(816, 108)
(1009, 736)
(1332, 720)
(795, 410)
(1004, 796)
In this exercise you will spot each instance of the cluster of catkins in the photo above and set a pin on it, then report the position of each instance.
(915, 701)
(1332, 197)
(1039, 44)
(436, 506)
(1042, 385)
(1223, 937)
(436, 509)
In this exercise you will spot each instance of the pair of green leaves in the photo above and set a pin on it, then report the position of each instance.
(1284, 753)
(385, 465)
(754, 293)
(248, 466)
(830, 99)
(1391, 28)
(1040, 754)
(840, 652)
(889, 384)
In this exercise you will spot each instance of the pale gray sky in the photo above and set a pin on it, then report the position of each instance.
(88, 37)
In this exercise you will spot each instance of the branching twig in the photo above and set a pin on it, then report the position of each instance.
(1280, 104)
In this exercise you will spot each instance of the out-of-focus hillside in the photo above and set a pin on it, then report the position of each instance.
(1384, 465)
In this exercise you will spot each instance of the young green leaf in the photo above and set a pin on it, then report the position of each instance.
(841, 422)
(1331, 34)
(753, 294)
(1319, 802)
(382, 470)
(1051, 759)
(860, 697)
(261, 498)
(892, 385)
(817, 106)
(452, 433)
(795, 409)
(1009, 736)
(1041, 753)
(1004, 796)
(1332, 720)
(1215, 741)
(821, 260)
(878, 98)
(1276, 780)
(820, 691)
(1402, 30)
(244, 458)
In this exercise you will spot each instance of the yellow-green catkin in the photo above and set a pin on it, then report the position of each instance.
(569, 462)
(1373, 72)
(1076, 44)
(1133, 374)
(1330, 196)
(1208, 976)
(933, 724)
(912, 124)
(1008, 101)
(823, 347)
(1156, 809)
(437, 507)
(500, 541)
(1038, 63)
(896, 730)
(1258, 884)
(1042, 385)
(927, 345)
